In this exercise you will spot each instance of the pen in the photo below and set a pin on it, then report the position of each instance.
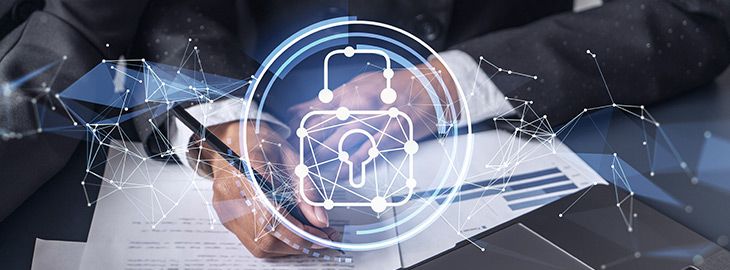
(237, 162)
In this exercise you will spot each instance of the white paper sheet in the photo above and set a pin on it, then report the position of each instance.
(57, 255)
(541, 177)
(122, 237)
(185, 237)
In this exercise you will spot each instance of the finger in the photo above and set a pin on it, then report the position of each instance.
(330, 145)
(317, 216)
(298, 112)
(292, 243)
(374, 125)
(332, 234)
(342, 97)
(235, 212)
(385, 140)
(285, 241)
(231, 193)
(239, 219)
(230, 203)
(272, 244)
(392, 134)
(317, 127)
(314, 104)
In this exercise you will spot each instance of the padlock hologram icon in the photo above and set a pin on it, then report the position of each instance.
(342, 116)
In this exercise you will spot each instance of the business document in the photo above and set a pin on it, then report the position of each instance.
(190, 237)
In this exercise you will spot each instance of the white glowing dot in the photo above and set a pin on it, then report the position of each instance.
(388, 73)
(388, 95)
(349, 51)
(325, 95)
(411, 147)
(301, 170)
(378, 204)
(342, 113)
(373, 152)
(301, 132)
(393, 112)
(411, 183)
(343, 156)
(329, 204)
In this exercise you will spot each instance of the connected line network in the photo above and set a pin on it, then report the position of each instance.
(138, 88)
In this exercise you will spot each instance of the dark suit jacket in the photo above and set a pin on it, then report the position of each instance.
(649, 49)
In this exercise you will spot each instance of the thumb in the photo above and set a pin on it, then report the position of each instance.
(303, 186)
(314, 214)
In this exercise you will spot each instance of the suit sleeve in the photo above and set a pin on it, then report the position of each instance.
(44, 55)
(649, 50)
(222, 30)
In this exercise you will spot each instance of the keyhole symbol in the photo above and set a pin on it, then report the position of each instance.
(345, 157)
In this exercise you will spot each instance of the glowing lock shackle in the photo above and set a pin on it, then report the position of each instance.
(387, 95)
(345, 157)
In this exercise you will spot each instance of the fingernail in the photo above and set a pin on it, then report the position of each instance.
(321, 216)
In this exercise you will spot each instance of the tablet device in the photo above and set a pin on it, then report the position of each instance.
(594, 232)
(514, 247)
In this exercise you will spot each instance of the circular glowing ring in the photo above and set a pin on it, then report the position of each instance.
(382, 243)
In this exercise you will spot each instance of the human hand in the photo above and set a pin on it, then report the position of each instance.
(364, 93)
(241, 209)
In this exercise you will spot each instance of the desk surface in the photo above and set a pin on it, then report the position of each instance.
(58, 209)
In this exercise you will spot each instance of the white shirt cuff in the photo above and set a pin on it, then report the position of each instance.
(211, 114)
(483, 98)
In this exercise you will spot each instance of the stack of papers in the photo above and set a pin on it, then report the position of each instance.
(184, 233)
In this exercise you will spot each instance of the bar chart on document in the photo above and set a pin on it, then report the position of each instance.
(492, 193)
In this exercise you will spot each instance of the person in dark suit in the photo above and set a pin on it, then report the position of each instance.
(653, 50)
